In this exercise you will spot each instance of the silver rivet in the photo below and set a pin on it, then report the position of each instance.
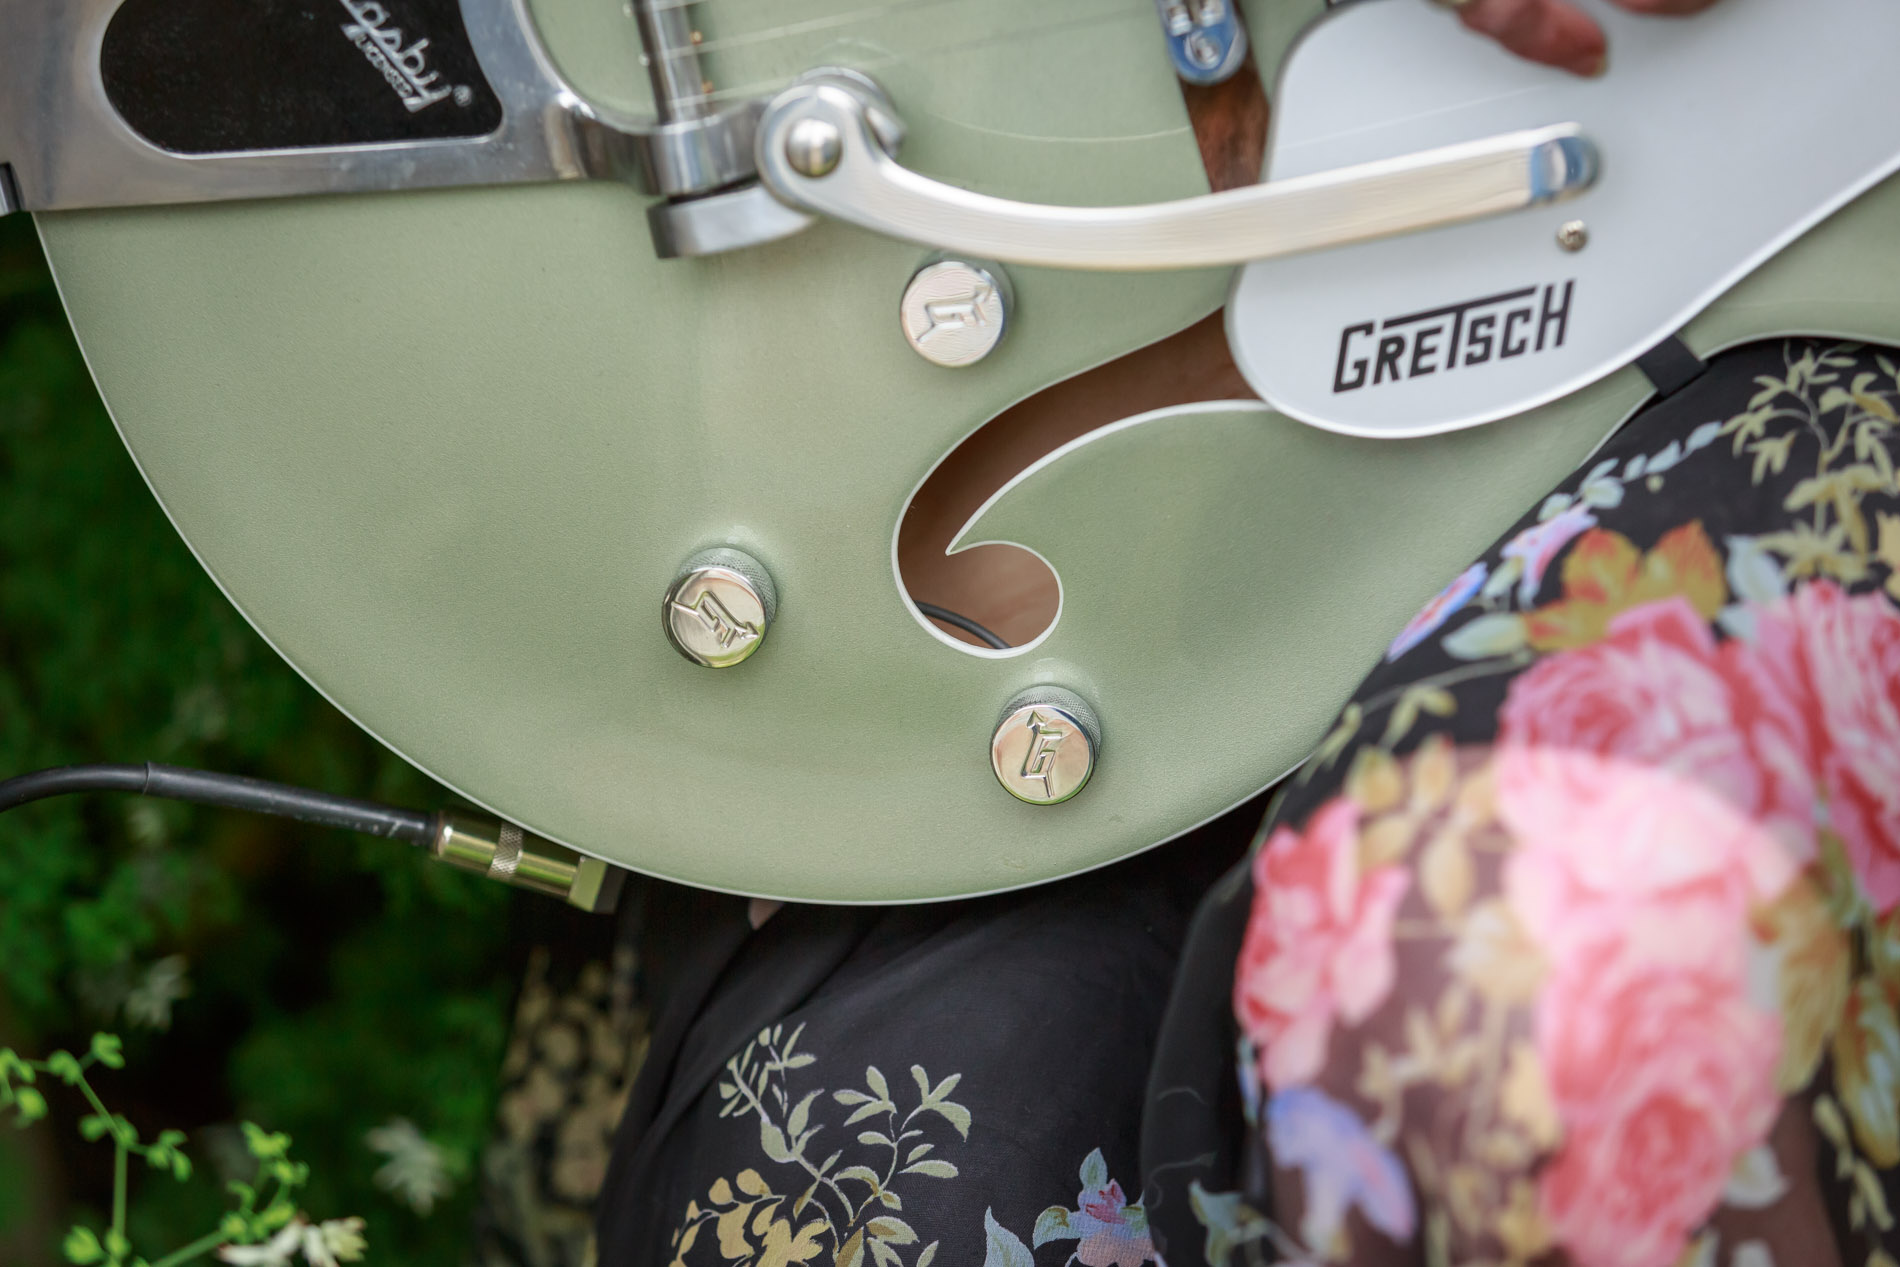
(954, 311)
(1574, 235)
(1045, 745)
(813, 147)
(718, 610)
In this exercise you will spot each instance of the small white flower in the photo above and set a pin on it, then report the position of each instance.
(275, 1252)
(328, 1244)
(334, 1241)
(417, 1170)
(149, 1003)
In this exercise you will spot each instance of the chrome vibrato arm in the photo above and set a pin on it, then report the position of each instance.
(726, 176)
(822, 149)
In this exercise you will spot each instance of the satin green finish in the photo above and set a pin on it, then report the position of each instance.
(446, 450)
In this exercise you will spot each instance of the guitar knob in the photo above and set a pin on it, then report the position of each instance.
(719, 607)
(954, 311)
(1045, 745)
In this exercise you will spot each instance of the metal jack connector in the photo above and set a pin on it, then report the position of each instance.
(502, 851)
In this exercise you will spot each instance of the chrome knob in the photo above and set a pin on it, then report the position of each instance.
(954, 311)
(813, 147)
(717, 611)
(1045, 745)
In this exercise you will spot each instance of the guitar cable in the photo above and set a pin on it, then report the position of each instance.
(964, 623)
(464, 839)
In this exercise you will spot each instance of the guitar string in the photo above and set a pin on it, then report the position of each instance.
(859, 17)
(763, 87)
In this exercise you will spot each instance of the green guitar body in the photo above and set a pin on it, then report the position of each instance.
(447, 449)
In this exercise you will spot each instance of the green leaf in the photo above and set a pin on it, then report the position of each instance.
(862, 1174)
(65, 1066)
(875, 1080)
(955, 1114)
(930, 1252)
(772, 1143)
(94, 1126)
(852, 1097)
(1094, 1172)
(108, 1050)
(934, 1168)
(889, 1227)
(1053, 1225)
(1003, 1248)
(876, 1138)
(82, 1246)
(1493, 634)
(116, 1245)
(181, 1166)
(801, 1114)
(869, 1110)
(30, 1105)
(265, 1145)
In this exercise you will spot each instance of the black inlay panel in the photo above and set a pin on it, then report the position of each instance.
(212, 76)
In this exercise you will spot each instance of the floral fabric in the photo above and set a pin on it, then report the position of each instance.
(1578, 939)
(958, 1083)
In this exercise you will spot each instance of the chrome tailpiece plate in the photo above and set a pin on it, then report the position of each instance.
(70, 81)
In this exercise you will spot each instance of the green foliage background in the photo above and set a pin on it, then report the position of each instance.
(336, 981)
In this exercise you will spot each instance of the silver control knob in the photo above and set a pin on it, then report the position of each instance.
(954, 311)
(1045, 745)
(717, 611)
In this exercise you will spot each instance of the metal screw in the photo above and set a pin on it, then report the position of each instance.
(717, 611)
(1574, 235)
(1202, 51)
(1045, 745)
(813, 147)
(954, 311)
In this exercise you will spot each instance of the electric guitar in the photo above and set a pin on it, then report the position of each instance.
(447, 335)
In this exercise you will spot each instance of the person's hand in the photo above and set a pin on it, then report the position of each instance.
(1556, 32)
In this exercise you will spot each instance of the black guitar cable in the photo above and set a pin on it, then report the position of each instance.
(964, 623)
(230, 791)
(462, 838)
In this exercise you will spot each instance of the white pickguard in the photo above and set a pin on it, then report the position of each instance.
(1723, 138)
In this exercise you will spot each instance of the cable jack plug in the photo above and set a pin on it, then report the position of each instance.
(502, 851)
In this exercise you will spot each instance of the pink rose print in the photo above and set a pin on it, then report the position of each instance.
(1539, 544)
(1440, 609)
(1318, 945)
(1659, 691)
(1108, 1237)
(1661, 1080)
(1109, 1232)
(1612, 852)
(1849, 652)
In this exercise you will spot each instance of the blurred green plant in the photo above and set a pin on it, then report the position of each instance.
(320, 982)
(265, 1228)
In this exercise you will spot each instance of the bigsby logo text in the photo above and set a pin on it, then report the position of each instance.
(1454, 337)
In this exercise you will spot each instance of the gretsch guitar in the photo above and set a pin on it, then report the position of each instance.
(447, 336)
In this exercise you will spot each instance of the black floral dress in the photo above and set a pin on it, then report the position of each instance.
(1578, 939)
